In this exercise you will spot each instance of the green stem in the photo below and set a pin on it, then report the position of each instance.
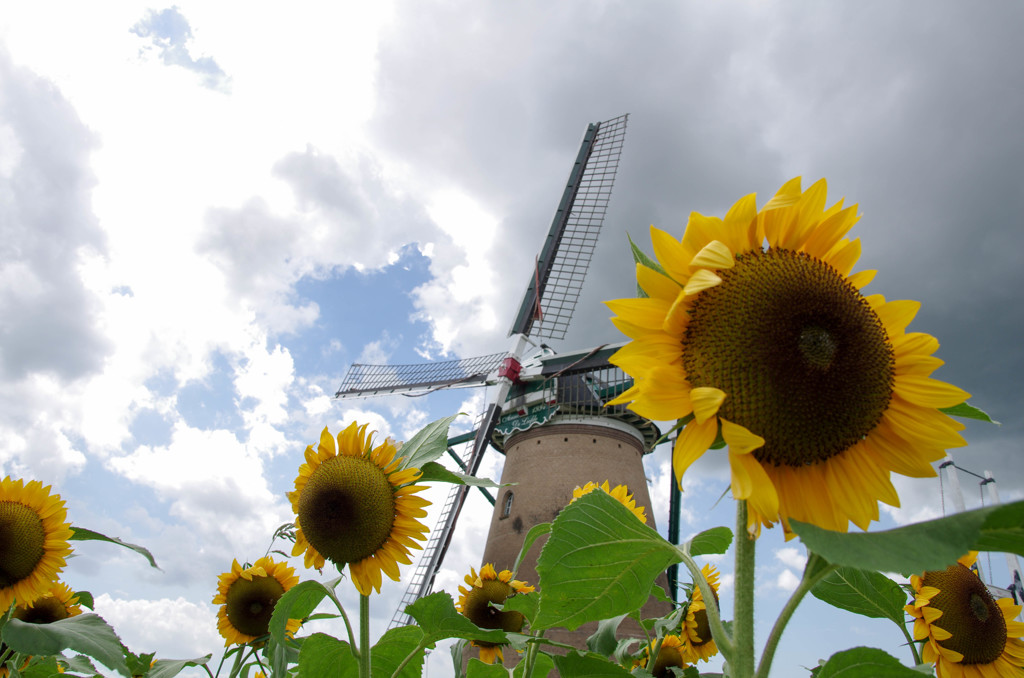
(364, 636)
(531, 657)
(815, 570)
(911, 643)
(742, 663)
(722, 638)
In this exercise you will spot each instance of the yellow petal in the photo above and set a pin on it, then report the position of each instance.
(860, 279)
(896, 315)
(701, 280)
(692, 442)
(645, 312)
(928, 392)
(706, 400)
(749, 481)
(739, 439)
(656, 284)
(671, 255)
(715, 255)
(843, 257)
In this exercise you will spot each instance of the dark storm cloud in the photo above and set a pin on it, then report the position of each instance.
(912, 110)
(49, 319)
(169, 32)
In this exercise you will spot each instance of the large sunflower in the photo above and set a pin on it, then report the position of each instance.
(354, 504)
(33, 540)
(697, 640)
(669, 655)
(475, 603)
(620, 492)
(967, 633)
(818, 391)
(247, 596)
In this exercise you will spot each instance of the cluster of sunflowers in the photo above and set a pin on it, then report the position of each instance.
(34, 535)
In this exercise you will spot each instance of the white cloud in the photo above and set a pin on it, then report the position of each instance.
(791, 557)
(173, 628)
(787, 581)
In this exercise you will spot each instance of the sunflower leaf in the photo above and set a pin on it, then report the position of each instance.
(714, 541)
(478, 669)
(589, 665)
(298, 603)
(931, 545)
(84, 633)
(535, 533)
(967, 411)
(524, 603)
(82, 534)
(322, 656)
(168, 668)
(600, 561)
(437, 616)
(862, 592)
(434, 472)
(392, 649)
(864, 662)
(429, 443)
(542, 666)
(603, 639)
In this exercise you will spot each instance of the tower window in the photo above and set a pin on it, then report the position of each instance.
(507, 509)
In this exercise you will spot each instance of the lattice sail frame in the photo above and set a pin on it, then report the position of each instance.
(371, 380)
(569, 248)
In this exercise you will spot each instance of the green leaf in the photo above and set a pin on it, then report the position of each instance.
(81, 664)
(85, 598)
(865, 662)
(84, 633)
(428, 444)
(525, 603)
(603, 640)
(41, 667)
(600, 561)
(535, 533)
(82, 534)
(862, 592)
(167, 668)
(434, 472)
(1003, 530)
(931, 545)
(641, 257)
(437, 616)
(967, 411)
(392, 649)
(322, 656)
(298, 603)
(716, 540)
(577, 665)
(479, 669)
(542, 666)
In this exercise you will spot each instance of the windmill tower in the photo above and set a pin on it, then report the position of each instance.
(547, 412)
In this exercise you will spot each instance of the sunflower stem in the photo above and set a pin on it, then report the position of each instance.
(408, 658)
(742, 661)
(364, 636)
(531, 657)
(911, 643)
(815, 570)
(722, 639)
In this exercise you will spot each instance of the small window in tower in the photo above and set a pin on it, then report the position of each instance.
(508, 505)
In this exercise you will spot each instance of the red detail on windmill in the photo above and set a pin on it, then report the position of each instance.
(510, 369)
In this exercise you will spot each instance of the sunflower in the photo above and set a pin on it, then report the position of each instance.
(355, 504)
(475, 605)
(59, 602)
(818, 391)
(621, 493)
(967, 633)
(669, 655)
(247, 597)
(33, 540)
(697, 640)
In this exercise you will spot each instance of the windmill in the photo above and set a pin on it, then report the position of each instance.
(542, 404)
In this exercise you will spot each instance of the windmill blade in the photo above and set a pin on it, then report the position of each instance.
(555, 285)
(363, 381)
(422, 579)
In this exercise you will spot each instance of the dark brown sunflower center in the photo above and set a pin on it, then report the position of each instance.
(477, 608)
(803, 359)
(42, 611)
(250, 604)
(703, 630)
(970, 613)
(22, 540)
(667, 656)
(347, 509)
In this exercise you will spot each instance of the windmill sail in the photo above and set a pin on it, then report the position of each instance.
(545, 311)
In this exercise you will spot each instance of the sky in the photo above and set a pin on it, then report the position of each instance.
(209, 210)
